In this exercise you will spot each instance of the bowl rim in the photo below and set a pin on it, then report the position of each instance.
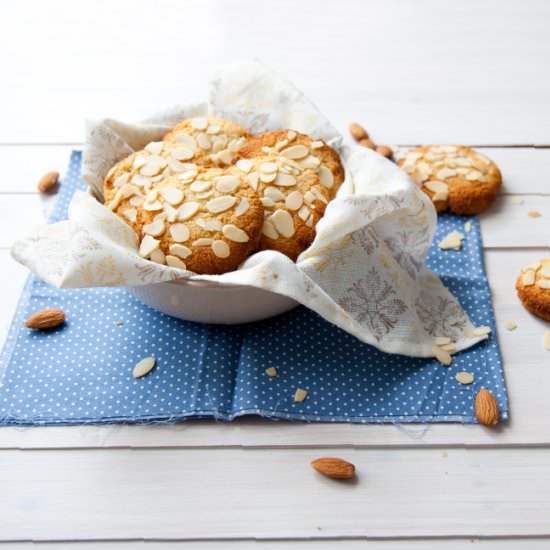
(210, 284)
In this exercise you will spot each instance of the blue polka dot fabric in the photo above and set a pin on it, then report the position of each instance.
(82, 372)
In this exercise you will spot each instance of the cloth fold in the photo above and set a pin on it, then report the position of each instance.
(365, 271)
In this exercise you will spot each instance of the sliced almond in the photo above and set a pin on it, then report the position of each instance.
(442, 356)
(227, 184)
(543, 283)
(464, 377)
(152, 206)
(153, 166)
(285, 180)
(482, 331)
(158, 256)
(528, 278)
(154, 229)
(436, 186)
(545, 271)
(187, 139)
(145, 366)
(174, 261)
(445, 173)
(268, 229)
(179, 232)
(253, 180)
(180, 250)
(220, 204)
(243, 207)
(267, 178)
(534, 214)
(468, 226)
(155, 147)
(274, 194)
(268, 167)
(187, 210)
(326, 177)
(300, 395)
(200, 186)
(203, 141)
(221, 249)
(294, 200)
(130, 214)
(148, 244)
(173, 195)
(510, 325)
(283, 223)
(244, 165)
(234, 233)
(183, 152)
(203, 241)
(271, 372)
(295, 152)
(199, 123)
(546, 340)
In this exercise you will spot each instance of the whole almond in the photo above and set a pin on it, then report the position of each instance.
(336, 468)
(48, 181)
(385, 151)
(357, 131)
(45, 319)
(486, 408)
(367, 143)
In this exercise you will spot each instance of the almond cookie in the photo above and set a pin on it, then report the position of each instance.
(205, 220)
(218, 140)
(293, 198)
(533, 288)
(129, 180)
(308, 155)
(455, 177)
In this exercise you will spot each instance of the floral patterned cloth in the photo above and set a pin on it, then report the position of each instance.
(365, 272)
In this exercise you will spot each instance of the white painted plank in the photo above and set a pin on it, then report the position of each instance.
(171, 493)
(519, 543)
(527, 373)
(429, 72)
(23, 166)
(524, 169)
(505, 224)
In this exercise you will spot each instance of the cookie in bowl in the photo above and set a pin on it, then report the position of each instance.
(295, 177)
(205, 220)
(456, 178)
(217, 140)
(307, 154)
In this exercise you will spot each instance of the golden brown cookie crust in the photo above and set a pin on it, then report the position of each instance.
(291, 190)
(455, 177)
(218, 140)
(533, 288)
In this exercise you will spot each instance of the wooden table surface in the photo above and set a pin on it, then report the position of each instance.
(429, 71)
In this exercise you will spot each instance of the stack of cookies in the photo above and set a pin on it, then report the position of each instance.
(210, 194)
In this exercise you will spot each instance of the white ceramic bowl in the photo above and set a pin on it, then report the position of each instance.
(206, 302)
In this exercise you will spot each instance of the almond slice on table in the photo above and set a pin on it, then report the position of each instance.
(335, 468)
(145, 366)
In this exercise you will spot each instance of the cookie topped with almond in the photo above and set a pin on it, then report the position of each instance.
(533, 288)
(205, 220)
(455, 177)
(296, 177)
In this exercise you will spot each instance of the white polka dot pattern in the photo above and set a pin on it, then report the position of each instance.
(82, 372)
